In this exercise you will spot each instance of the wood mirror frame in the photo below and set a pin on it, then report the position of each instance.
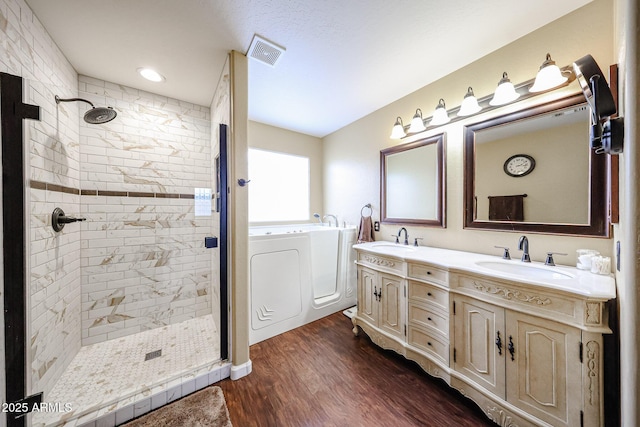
(439, 219)
(598, 218)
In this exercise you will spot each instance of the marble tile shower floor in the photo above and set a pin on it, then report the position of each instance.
(106, 376)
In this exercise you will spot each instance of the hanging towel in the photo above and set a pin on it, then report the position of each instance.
(506, 208)
(366, 230)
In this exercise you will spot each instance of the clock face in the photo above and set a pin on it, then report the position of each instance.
(519, 165)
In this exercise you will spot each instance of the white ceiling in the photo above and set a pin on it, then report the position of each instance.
(344, 58)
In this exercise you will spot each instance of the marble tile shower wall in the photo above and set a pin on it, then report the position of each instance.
(53, 323)
(144, 264)
(154, 244)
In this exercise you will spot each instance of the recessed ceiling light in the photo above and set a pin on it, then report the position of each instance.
(151, 75)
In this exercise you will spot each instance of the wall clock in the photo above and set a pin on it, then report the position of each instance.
(519, 165)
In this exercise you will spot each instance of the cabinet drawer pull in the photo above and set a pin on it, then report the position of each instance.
(512, 348)
(428, 272)
(499, 343)
(428, 343)
(429, 319)
(429, 294)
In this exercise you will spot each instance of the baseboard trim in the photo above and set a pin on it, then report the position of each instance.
(239, 371)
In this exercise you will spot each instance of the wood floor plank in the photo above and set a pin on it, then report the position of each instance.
(322, 375)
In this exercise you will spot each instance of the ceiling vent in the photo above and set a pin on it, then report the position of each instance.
(265, 51)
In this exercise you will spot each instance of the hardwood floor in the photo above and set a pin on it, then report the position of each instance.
(322, 375)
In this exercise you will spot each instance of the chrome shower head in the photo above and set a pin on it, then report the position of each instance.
(94, 116)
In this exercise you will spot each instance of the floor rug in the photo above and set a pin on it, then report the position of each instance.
(204, 408)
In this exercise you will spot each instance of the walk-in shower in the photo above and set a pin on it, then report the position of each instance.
(123, 308)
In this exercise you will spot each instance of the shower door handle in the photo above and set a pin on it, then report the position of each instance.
(243, 182)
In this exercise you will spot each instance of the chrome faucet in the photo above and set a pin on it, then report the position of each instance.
(331, 216)
(523, 245)
(406, 236)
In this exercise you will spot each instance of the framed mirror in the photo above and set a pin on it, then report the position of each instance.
(412, 187)
(534, 171)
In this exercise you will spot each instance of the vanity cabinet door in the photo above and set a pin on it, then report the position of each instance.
(477, 325)
(381, 300)
(367, 289)
(544, 375)
(392, 307)
(532, 363)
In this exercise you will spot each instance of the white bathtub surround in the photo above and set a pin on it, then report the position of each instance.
(109, 376)
(298, 274)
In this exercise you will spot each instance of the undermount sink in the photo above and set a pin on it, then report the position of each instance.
(394, 246)
(526, 270)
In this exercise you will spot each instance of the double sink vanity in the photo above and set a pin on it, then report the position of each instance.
(524, 341)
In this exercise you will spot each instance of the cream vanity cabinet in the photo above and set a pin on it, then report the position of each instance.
(535, 348)
(526, 354)
(381, 292)
(531, 363)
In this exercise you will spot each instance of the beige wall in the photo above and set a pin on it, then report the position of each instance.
(351, 155)
(271, 138)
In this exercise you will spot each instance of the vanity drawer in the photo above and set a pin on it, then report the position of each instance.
(426, 272)
(429, 343)
(428, 319)
(381, 262)
(423, 292)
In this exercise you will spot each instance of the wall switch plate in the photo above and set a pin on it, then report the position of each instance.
(376, 226)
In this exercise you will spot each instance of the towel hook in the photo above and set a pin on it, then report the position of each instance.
(368, 205)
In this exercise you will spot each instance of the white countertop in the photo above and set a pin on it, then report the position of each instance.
(561, 278)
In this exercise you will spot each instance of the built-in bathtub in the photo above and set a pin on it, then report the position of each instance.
(298, 274)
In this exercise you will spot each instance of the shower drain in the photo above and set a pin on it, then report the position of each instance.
(152, 355)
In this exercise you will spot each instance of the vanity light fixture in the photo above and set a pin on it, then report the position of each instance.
(505, 92)
(469, 104)
(417, 124)
(606, 134)
(440, 116)
(151, 75)
(398, 130)
(549, 76)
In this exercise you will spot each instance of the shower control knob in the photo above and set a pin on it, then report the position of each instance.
(59, 219)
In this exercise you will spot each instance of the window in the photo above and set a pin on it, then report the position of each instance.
(279, 189)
